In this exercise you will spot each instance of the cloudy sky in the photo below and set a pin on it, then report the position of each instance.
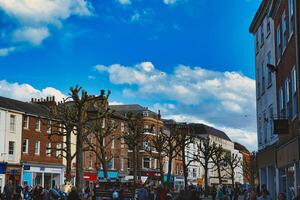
(192, 59)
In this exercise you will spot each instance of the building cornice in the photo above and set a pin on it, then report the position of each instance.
(259, 16)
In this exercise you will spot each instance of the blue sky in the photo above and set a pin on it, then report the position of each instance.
(159, 53)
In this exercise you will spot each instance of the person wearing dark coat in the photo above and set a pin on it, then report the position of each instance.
(73, 195)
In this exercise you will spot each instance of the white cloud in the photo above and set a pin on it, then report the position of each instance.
(248, 138)
(25, 92)
(115, 103)
(224, 99)
(124, 2)
(32, 17)
(170, 2)
(7, 51)
(35, 36)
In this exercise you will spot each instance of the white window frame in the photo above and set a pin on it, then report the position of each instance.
(294, 90)
(13, 148)
(49, 122)
(287, 97)
(48, 151)
(278, 46)
(291, 17)
(58, 151)
(26, 122)
(280, 101)
(12, 123)
(37, 125)
(26, 147)
(284, 32)
(37, 148)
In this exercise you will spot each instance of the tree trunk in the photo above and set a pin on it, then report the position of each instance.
(133, 164)
(161, 169)
(219, 174)
(104, 163)
(68, 158)
(139, 163)
(232, 180)
(79, 159)
(185, 170)
(206, 181)
(169, 170)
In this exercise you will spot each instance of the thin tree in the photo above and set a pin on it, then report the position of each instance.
(62, 125)
(206, 150)
(156, 149)
(233, 162)
(101, 131)
(134, 138)
(171, 148)
(79, 106)
(184, 139)
(218, 161)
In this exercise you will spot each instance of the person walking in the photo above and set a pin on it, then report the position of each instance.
(73, 195)
(8, 190)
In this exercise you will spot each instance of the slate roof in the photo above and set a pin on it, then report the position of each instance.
(133, 108)
(202, 129)
(26, 107)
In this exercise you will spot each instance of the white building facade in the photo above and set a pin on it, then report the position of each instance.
(262, 27)
(10, 144)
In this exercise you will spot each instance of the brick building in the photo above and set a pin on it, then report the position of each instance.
(286, 23)
(152, 125)
(279, 162)
(39, 165)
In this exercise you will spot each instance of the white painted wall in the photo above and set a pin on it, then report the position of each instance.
(267, 99)
(6, 135)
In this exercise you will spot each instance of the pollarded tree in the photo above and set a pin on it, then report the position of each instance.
(218, 161)
(206, 150)
(134, 138)
(101, 130)
(232, 162)
(172, 147)
(157, 145)
(62, 125)
(184, 138)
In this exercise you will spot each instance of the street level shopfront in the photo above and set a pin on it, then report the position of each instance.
(288, 171)
(267, 169)
(45, 175)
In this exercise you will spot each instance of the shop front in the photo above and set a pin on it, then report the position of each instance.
(44, 175)
(288, 168)
(267, 169)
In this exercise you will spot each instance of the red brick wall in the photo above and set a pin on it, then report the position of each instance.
(32, 135)
(286, 64)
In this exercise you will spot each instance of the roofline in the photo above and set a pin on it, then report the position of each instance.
(12, 110)
(260, 14)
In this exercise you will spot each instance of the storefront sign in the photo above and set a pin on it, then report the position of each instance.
(3, 167)
(26, 167)
(110, 173)
(90, 177)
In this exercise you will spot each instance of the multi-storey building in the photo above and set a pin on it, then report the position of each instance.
(286, 23)
(262, 27)
(39, 164)
(282, 159)
(10, 146)
(219, 138)
(152, 125)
